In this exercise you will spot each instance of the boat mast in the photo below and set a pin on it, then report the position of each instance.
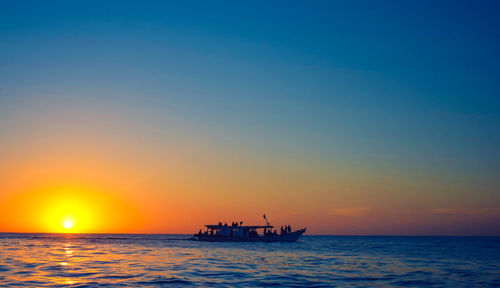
(267, 222)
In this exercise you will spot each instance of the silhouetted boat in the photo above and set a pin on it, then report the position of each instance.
(241, 233)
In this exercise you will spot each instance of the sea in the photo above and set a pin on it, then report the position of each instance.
(119, 260)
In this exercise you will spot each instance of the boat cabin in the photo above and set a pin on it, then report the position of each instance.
(236, 231)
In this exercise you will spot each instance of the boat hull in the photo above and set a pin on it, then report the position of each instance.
(288, 237)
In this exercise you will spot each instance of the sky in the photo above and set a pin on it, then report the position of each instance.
(345, 117)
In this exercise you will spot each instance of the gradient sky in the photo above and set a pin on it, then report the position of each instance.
(347, 117)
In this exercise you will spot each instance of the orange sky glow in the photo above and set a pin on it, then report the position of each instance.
(108, 174)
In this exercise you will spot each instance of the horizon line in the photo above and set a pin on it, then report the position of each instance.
(338, 235)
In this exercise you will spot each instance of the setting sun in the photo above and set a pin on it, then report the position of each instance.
(68, 224)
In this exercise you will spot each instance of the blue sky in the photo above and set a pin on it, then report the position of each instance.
(404, 86)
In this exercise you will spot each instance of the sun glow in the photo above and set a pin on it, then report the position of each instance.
(69, 209)
(70, 213)
(68, 224)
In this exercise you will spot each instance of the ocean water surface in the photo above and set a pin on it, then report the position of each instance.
(118, 260)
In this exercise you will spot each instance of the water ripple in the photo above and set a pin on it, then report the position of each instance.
(92, 260)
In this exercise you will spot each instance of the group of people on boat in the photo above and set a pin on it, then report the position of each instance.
(233, 224)
(284, 230)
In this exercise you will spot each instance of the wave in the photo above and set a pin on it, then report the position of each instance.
(93, 260)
